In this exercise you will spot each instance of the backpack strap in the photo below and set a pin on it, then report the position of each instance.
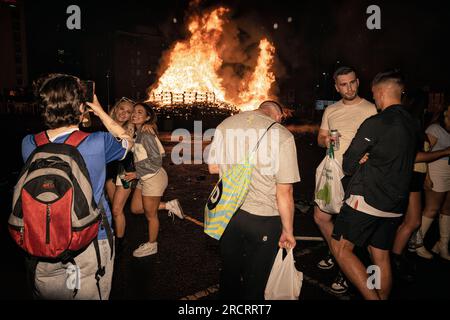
(41, 138)
(106, 225)
(100, 270)
(259, 141)
(76, 138)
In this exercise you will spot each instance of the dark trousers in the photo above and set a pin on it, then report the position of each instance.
(248, 249)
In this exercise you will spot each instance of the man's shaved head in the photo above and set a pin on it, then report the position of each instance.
(271, 105)
(273, 109)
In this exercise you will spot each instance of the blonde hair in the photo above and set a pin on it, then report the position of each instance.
(128, 126)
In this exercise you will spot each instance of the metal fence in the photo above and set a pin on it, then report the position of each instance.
(173, 98)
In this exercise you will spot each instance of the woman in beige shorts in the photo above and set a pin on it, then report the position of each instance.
(148, 154)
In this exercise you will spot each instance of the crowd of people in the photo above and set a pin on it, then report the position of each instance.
(387, 157)
(388, 161)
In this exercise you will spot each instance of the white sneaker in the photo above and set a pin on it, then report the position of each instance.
(174, 208)
(327, 262)
(146, 249)
(424, 253)
(339, 285)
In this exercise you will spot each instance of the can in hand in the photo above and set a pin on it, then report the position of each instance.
(334, 135)
(125, 183)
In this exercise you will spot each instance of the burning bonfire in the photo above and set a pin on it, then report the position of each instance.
(190, 70)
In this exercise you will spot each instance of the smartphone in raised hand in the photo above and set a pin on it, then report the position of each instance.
(89, 90)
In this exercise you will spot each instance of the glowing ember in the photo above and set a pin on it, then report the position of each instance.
(190, 69)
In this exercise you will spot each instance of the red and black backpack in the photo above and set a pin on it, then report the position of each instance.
(55, 215)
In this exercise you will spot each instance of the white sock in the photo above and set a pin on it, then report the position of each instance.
(444, 228)
(426, 223)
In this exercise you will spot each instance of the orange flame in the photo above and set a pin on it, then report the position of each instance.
(261, 81)
(192, 66)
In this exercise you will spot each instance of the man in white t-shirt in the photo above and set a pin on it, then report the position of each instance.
(345, 116)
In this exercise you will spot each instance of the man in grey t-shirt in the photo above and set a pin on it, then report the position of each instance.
(265, 220)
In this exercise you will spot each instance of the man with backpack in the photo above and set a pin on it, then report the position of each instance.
(60, 216)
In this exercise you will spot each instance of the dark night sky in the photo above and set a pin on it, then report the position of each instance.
(412, 36)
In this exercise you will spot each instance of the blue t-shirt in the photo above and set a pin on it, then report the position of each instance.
(97, 150)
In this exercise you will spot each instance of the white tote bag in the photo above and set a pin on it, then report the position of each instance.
(285, 281)
(329, 193)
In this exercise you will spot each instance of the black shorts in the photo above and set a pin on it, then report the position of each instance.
(363, 229)
(111, 171)
(417, 181)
